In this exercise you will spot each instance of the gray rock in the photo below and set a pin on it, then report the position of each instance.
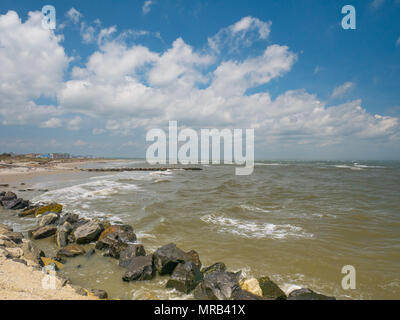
(33, 253)
(218, 285)
(8, 196)
(48, 219)
(218, 266)
(133, 250)
(71, 218)
(307, 294)
(62, 234)
(10, 204)
(167, 258)
(44, 232)
(71, 250)
(140, 268)
(15, 237)
(185, 277)
(88, 232)
(270, 289)
(90, 253)
(101, 294)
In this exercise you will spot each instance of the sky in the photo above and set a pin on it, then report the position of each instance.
(112, 71)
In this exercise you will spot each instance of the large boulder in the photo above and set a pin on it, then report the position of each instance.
(48, 219)
(44, 232)
(62, 234)
(307, 294)
(115, 239)
(15, 204)
(192, 255)
(133, 250)
(15, 237)
(218, 266)
(251, 285)
(140, 268)
(185, 277)
(122, 232)
(88, 232)
(168, 257)
(71, 250)
(8, 196)
(53, 207)
(270, 289)
(28, 211)
(71, 218)
(33, 253)
(239, 294)
(218, 285)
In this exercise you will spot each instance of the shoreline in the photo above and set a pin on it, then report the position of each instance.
(119, 242)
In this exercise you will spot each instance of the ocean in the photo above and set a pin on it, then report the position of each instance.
(298, 222)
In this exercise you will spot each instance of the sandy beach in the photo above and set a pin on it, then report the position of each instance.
(17, 280)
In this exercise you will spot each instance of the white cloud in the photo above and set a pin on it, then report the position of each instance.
(130, 87)
(341, 90)
(74, 124)
(242, 33)
(73, 15)
(80, 143)
(32, 66)
(147, 6)
(97, 131)
(51, 123)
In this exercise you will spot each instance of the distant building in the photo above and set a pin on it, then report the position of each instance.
(60, 156)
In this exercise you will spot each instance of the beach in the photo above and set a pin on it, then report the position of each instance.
(260, 225)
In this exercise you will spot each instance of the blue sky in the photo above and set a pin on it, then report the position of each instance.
(113, 70)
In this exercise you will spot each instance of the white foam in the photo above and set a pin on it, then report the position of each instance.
(249, 229)
(253, 208)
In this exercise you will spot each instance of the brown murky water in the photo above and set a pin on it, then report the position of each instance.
(298, 222)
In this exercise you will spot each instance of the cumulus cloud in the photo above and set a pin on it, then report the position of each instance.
(130, 87)
(32, 66)
(340, 91)
(51, 123)
(147, 6)
(73, 15)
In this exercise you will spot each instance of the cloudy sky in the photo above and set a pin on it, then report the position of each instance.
(110, 72)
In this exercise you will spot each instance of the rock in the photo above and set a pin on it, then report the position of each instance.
(5, 185)
(271, 290)
(5, 228)
(239, 294)
(185, 277)
(48, 219)
(54, 207)
(62, 234)
(90, 253)
(133, 250)
(20, 261)
(71, 218)
(33, 253)
(124, 232)
(167, 258)
(115, 239)
(10, 204)
(101, 294)
(48, 261)
(8, 196)
(140, 268)
(44, 232)
(22, 205)
(88, 232)
(27, 211)
(71, 250)
(252, 286)
(307, 294)
(194, 256)
(219, 266)
(15, 237)
(217, 285)
(15, 253)
(4, 253)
